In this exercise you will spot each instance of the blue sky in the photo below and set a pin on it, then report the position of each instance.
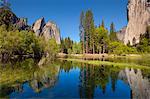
(66, 13)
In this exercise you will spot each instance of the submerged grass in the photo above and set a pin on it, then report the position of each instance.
(114, 64)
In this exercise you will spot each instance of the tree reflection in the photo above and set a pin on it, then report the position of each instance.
(44, 78)
(92, 77)
(13, 79)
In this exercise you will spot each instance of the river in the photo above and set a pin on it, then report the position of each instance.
(65, 80)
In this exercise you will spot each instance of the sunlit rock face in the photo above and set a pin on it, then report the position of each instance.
(51, 30)
(38, 26)
(140, 86)
(138, 20)
(48, 30)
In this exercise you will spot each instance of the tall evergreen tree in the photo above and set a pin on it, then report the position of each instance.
(113, 35)
(82, 32)
(103, 24)
(89, 30)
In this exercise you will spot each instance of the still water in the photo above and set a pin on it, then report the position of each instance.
(65, 80)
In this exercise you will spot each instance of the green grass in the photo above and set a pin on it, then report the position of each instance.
(114, 64)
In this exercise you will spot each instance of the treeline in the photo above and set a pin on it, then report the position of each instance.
(68, 46)
(17, 44)
(98, 39)
(144, 44)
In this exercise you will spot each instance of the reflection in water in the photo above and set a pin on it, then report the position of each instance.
(38, 79)
(139, 85)
(89, 79)
(44, 78)
(92, 77)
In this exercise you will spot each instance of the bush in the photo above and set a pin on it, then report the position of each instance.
(120, 49)
(24, 43)
(51, 48)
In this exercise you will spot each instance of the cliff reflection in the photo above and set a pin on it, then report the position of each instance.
(44, 78)
(90, 80)
(38, 79)
(140, 85)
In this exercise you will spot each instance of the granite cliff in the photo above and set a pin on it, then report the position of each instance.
(47, 30)
(138, 13)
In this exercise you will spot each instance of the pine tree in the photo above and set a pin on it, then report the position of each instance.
(82, 32)
(113, 35)
(89, 30)
(103, 24)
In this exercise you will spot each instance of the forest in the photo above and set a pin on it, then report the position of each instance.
(98, 39)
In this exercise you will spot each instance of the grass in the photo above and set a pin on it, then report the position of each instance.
(114, 64)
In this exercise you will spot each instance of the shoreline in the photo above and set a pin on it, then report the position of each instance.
(96, 56)
(114, 64)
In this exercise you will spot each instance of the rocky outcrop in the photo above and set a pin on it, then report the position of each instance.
(38, 26)
(139, 85)
(47, 30)
(50, 30)
(22, 24)
(8, 18)
(138, 20)
(121, 34)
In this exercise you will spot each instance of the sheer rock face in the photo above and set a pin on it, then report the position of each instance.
(139, 85)
(38, 26)
(48, 30)
(51, 30)
(138, 20)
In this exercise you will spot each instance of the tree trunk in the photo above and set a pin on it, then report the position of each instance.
(93, 49)
(99, 50)
(83, 48)
(86, 45)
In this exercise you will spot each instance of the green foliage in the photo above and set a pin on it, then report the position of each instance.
(18, 43)
(51, 48)
(7, 17)
(113, 36)
(96, 39)
(89, 31)
(120, 49)
(66, 44)
(144, 44)
(82, 31)
(25, 43)
(101, 39)
(77, 48)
